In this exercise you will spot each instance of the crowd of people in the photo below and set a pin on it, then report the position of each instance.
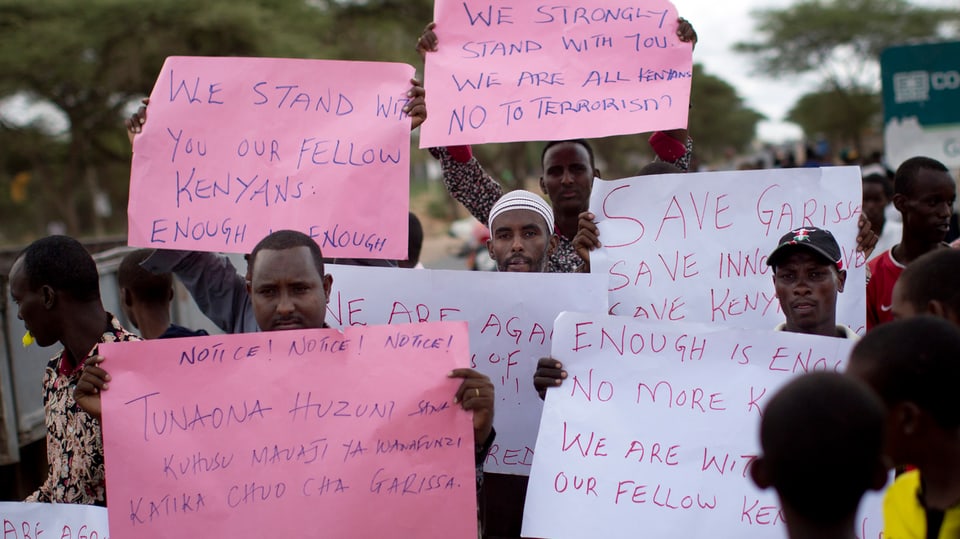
(893, 407)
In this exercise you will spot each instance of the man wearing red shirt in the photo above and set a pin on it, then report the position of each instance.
(924, 194)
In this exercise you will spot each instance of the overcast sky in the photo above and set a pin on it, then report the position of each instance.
(719, 25)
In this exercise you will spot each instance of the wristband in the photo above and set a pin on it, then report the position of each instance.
(666, 147)
(460, 154)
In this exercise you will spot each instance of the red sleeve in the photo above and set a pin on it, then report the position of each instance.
(877, 278)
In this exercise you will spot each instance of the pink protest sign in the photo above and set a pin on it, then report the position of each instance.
(238, 147)
(507, 71)
(311, 433)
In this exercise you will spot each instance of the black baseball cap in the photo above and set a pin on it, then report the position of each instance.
(815, 239)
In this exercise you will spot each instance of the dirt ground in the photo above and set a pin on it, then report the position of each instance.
(439, 247)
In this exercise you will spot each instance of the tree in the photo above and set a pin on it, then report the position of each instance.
(840, 40)
(718, 118)
(378, 30)
(837, 115)
(89, 59)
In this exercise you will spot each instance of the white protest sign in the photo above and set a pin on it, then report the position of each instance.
(60, 520)
(510, 316)
(656, 426)
(693, 247)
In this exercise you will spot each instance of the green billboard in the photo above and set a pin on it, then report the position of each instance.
(921, 101)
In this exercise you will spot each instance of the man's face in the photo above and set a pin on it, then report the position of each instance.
(37, 317)
(567, 177)
(865, 369)
(900, 307)
(926, 211)
(287, 291)
(126, 306)
(520, 241)
(807, 286)
(874, 202)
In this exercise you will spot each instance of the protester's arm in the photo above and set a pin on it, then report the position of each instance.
(475, 394)
(42, 494)
(427, 41)
(134, 123)
(416, 109)
(220, 292)
(669, 148)
(586, 240)
(675, 146)
(93, 380)
(549, 374)
(873, 293)
(685, 32)
(467, 182)
(866, 238)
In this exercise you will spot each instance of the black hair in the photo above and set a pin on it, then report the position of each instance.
(63, 264)
(882, 181)
(580, 141)
(659, 167)
(915, 360)
(822, 440)
(933, 276)
(908, 172)
(151, 288)
(414, 239)
(287, 239)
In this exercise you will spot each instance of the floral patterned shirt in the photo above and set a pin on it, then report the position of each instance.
(470, 185)
(74, 439)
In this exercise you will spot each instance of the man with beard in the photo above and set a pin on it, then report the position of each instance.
(521, 240)
(521, 232)
(567, 176)
(289, 290)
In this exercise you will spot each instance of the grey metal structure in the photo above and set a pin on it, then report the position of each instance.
(21, 369)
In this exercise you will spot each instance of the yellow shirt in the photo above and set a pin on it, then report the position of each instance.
(905, 518)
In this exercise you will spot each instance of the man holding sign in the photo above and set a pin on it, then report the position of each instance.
(521, 240)
(55, 285)
(517, 71)
(568, 171)
(807, 275)
(521, 233)
(289, 290)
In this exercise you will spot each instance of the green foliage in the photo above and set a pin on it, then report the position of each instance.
(29, 153)
(840, 40)
(836, 114)
(719, 120)
(378, 30)
(90, 59)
